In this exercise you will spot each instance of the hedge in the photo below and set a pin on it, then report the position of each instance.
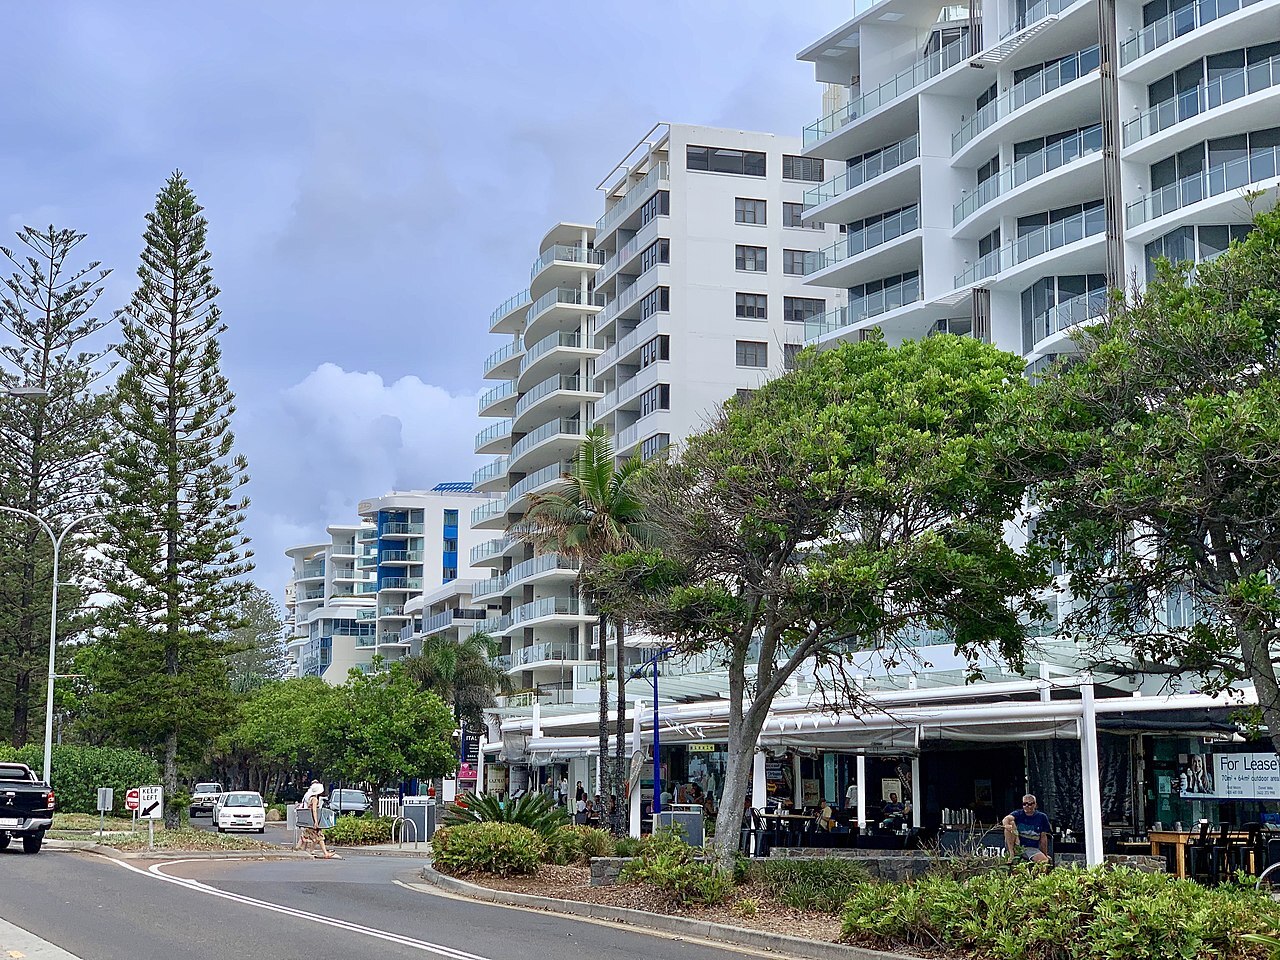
(78, 772)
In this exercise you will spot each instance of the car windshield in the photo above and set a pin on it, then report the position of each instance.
(242, 800)
(348, 796)
(208, 788)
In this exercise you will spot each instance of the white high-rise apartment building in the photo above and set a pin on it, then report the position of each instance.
(363, 593)
(703, 247)
(999, 165)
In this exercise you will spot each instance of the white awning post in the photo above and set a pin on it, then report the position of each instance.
(1090, 777)
(759, 785)
(633, 803)
(797, 790)
(480, 769)
(862, 791)
(917, 793)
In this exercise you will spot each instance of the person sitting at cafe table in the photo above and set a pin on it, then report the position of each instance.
(825, 820)
(894, 812)
(1027, 832)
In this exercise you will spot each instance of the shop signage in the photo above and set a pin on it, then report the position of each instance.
(702, 748)
(1232, 776)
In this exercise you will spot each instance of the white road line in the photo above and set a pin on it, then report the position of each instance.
(155, 872)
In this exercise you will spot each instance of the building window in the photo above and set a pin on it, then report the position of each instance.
(801, 168)
(657, 300)
(654, 445)
(752, 353)
(800, 309)
(789, 353)
(659, 348)
(746, 210)
(793, 263)
(753, 259)
(751, 306)
(743, 394)
(659, 205)
(793, 216)
(749, 163)
(657, 397)
(657, 252)
(450, 573)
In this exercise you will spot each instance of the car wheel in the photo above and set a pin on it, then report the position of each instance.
(218, 828)
(262, 829)
(4, 841)
(31, 842)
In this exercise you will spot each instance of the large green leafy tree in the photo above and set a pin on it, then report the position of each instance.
(50, 463)
(258, 648)
(461, 672)
(836, 510)
(173, 546)
(596, 514)
(382, 728)
(1156, 464)
(278, 735)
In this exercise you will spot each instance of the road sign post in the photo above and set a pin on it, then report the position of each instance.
(106, 800)
(131, 804)
(151, 809)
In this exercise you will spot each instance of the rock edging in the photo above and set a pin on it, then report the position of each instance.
(704, 929)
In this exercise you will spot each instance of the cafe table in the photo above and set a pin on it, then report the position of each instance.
(1180, 840)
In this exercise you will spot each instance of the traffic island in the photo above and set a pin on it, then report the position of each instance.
(580, 899)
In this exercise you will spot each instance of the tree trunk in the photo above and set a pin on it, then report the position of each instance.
(744, 736)
(21, 706)
(171, 813)
(618, 821)
(1259, 668)
(602, 660)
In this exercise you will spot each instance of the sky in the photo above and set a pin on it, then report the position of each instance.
(377, 178)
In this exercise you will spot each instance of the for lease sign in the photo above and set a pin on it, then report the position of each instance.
(1247, 776)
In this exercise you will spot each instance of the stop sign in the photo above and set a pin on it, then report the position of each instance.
(131, 800)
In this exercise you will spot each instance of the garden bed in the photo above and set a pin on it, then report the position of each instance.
(574, 883)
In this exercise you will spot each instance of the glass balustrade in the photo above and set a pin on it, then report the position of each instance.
(491, 396)
(860, 241)
(536, 479)
(496, 432)
(571, 382)
(508, 305)
(570, 295)
(634, 196)
(562, 339)
(503, 353)
(910, 78)
(546, 607)
(1035, 243)
(489, 549)
(400, 527)
(543, 652)
(1079, 64)
(1067, 314)
(868, 169)
(1035, 13)
(627, 438)
(641, 334)
(563, 253)
(1179, 23)
(541, 564)
(1191, 103)
(492, 469)
(488, 510)
(644, 236)
(1080, 144)
(1259, 165)
(549, 429)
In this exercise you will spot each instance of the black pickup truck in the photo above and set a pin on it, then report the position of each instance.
(26, 807)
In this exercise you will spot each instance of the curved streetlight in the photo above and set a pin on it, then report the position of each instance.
(56, 539)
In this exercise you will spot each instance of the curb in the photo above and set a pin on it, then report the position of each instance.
(367, 852)
(88, 846)
(703, 929)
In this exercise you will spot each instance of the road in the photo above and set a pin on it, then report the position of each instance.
(100, 909)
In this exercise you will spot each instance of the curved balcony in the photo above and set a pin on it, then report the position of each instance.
(399, 557)
(547, 607)
(535, 482)
(854, 249)
(498, 401)
(1201, 100)
(501, 364)
(1038, 242)
(557, 347)
(830, 200)
(1221, 181)
(489, 511)
(1178, 24)
(494, 439)
(1078, 66)
(824, 136)
(630, 201)
(562, 392)
(488, 589)
(509, 314)
(551, 306)
(495, 626)
(1082, 143)
(491, 472)
(538, 567)
(490, 549)
(568, 432)
(564, 253)
(883, 301)
(548, 653)
(1047, 328)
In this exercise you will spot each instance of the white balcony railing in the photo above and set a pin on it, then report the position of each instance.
(1179, 23)
(494, 468)
(1189, 104)
(1067, 314)
(872, 305)
(1236, 174)
(547, 344)
(1035, 243)
(503, 353)
(860, 241)
(634, 196)
(549, 429)
(866, 170)
(546, 607)
(508, 305)
(564, 253)
(496, 432)
(491, 396)
(572, 383)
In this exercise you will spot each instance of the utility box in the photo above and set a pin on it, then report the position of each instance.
(421, 812)
(688, 817)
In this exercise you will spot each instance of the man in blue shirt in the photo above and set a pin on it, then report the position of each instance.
(1026, 832)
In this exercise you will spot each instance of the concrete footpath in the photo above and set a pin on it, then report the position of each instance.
(18, 944)
(778, 943)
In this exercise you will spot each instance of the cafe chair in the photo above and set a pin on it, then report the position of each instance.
(1245, 853)
(1219, 855)
(1199, 855)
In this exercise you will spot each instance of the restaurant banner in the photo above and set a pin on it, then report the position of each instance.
(1231, 776)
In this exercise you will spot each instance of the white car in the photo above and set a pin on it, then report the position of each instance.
(240, 810)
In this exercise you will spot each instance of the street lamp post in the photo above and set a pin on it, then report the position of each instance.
(653, 661)
(56, 539)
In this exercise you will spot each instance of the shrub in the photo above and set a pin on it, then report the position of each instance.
(563, 846)
(503, 849)
(748, 906)
(359, 831)
(814, 884)
(1027, 914)
(668, 863)
(627, 847)
(78, 772)
(534, 810)
(596, 842)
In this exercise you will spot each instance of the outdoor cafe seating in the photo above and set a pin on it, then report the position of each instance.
(762, 830)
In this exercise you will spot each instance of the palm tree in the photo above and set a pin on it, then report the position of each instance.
(596, 514)
(462, 673)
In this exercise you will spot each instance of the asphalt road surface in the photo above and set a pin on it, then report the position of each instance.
(360, 907)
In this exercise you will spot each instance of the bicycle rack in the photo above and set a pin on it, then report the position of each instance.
(402, 823)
